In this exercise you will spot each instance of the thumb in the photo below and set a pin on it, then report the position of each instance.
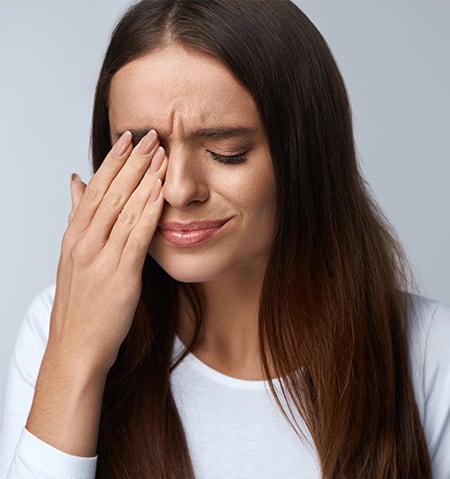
(77, 188)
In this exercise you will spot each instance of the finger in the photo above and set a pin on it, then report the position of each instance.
(100, 182)
(64, 272)
(122, 187)
(63, 275)
(138, 243)
(77, 188)
(132, 213)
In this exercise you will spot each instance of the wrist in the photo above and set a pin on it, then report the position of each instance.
(67, 404)
(84, 364)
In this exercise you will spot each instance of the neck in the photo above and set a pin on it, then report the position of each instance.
(228, 340)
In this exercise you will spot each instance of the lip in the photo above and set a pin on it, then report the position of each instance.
(192, 233)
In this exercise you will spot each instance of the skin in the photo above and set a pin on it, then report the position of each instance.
(114, 222)
(150, 92)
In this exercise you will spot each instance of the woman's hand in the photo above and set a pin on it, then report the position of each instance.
(111, 225)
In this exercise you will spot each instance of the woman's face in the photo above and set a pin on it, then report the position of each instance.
(219, 188)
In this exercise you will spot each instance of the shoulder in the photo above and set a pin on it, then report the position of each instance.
(429, 341)
(429, 337)
(429, 332)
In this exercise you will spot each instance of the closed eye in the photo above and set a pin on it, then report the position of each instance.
(228, 159)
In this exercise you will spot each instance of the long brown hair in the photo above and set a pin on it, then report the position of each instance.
(331, 309)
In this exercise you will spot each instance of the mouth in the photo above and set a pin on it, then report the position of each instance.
(190, 234)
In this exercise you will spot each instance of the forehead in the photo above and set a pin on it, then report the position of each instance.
(175, 88)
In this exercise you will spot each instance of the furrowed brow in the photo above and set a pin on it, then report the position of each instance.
(224, 133)
(214, 133)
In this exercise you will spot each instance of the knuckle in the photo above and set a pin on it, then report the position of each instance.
(91, 192)
(135, 161)
(68, 239)
(127, 216)
(110, 164)
(137, 244)
(112, 199)
(150, 213)
(81, 253)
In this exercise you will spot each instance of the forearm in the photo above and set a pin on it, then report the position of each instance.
(66, 407)
(111, 225)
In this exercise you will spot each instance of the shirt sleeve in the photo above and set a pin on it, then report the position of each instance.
(23, 455)
(436, 391)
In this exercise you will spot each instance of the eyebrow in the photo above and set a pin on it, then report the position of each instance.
(222, 133)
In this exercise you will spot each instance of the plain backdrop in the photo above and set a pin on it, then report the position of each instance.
(393, 56)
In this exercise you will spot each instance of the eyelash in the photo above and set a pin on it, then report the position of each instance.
(228, 159)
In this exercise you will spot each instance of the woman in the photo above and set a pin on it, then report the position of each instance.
(227, 213)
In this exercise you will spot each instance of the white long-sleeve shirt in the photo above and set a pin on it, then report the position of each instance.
(234, 427)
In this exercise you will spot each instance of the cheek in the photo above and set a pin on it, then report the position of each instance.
(260, 189)
(261, 195)
(254, 194)
(247, 186)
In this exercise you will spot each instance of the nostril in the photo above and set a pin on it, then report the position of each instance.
(182, 190)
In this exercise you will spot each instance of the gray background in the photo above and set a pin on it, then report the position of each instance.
(394, 56)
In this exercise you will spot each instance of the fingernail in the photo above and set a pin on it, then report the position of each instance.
(157, 160)
(154, 195)
(147, 143)
(75, 177)
(122, 144)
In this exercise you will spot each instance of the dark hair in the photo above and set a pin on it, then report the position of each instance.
(331, 307)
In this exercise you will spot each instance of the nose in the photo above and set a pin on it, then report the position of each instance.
(185, 182)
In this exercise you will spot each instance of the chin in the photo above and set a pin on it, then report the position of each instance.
(189, 275)
(209, 263)
(189, 269)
